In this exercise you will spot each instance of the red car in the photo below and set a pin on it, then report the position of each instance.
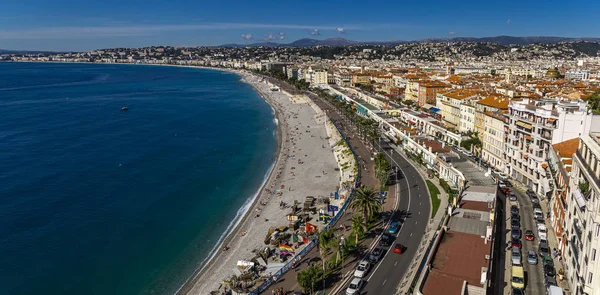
(398, 249)
(529, 236)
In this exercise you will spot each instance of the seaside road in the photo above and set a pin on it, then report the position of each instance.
(414, 213)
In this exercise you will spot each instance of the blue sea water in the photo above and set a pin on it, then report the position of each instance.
(95, 200)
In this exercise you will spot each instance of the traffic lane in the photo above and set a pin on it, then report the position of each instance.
(387, 275)
(533, 273)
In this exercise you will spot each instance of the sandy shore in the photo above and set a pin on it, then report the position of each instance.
(305, 166)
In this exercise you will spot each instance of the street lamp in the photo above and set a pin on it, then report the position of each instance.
(342, 244)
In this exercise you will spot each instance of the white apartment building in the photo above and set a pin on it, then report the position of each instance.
(534, 126)
(582, 265)
(577, 74)
(450, 104)
(493, 140)
(467, 116)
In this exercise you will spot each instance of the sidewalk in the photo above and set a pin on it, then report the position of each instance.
(417, 263)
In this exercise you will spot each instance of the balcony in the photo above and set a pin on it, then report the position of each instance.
(589, 170)
(577, 231)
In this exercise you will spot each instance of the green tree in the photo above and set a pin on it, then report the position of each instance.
(382, 169)
(594, 102)
(326, 240)
(358, 226)
(309, 277)
(366, 200)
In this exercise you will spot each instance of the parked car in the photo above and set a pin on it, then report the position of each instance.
(550, 281)
(515, 233)
(544, 250)
(516, 291)
(515, 216)
(529, 236)
(386, 240)
(515, 222)
(362, 269)
(394, 226)
(549, 271)
(512, 197)
(535, 200)
(542, 233)
(548, 261)
(398, 249)
(516, 243)
(354, 287)
(537, 210)
(515, 256)
(514, 209)
(376, 254)
(532, 257)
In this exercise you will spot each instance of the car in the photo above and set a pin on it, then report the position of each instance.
(514, 209)
(512, 197)
(505, 190)
(398, 249)
(515, 216)
(535, 200)
(376, 254)
(515, 256)
(544, 250)
(529, 236)
(515, 222)
(532, 257)
(516, 291)
(550, 281)
(508, 183)
(362, 269)
(542, 233)
(394, 226)
(386, 240)
(503, 176)
(515, 233)
(516, 243)
(549, 271)
(354, 287)
(537, 210)
(502, 185)
(548, 261)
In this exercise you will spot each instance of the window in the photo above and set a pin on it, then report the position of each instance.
(590, 278)
(593, 254)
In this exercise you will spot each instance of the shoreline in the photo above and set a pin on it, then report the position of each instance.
(188, 285)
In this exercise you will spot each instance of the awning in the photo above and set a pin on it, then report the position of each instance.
(551, 120)
(528, 137)
(579, 198)
(523, 124)
(544, 165)
(434, 109)
(525, 156)
(411, 122)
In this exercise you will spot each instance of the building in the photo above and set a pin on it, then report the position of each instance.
(491, 104)
(463, 253)
(560, 162)
(428, 92)
(467, 116)
(534, 126)
(450, 105)
(582, 265)
(342, 79)
(493, 140)
(577, 75)
(318, 76)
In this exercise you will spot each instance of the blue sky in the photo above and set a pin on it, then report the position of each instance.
(90, 24)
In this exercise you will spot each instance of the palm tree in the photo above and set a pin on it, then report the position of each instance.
(358, 227)
(326, 239)
(365, 200)
(382, 169)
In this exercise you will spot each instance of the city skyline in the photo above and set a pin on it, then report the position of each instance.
(73, 26)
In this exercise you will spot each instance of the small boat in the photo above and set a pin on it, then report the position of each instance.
(124, 108)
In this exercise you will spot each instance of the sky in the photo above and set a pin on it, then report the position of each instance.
(82, 25)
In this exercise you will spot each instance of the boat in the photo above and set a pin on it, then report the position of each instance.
(124, 108)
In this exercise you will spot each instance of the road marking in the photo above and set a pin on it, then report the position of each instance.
(411, 234)
(416, 222)
(419, 212)
(384, 282)
(396, 263)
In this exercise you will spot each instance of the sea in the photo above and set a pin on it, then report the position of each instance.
(98, 200)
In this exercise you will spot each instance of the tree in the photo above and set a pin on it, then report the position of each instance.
(366, 200)
(594, 102)
(326, 239)
(382, 169)
(308, 277)
(358, 227)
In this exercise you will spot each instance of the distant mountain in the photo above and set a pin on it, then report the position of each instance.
(8, 51)
(501, 40)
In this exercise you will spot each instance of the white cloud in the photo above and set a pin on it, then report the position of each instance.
(452, 33)
(82, 32)
(509, 21)
(341, 30)
(247, 36)
(281, 36)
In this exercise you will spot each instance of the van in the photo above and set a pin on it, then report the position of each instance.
(518, 277)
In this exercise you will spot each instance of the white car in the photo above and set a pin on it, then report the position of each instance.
(542, 234)
(354, 287)
(362, 269)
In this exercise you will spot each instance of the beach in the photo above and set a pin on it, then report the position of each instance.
(305, 165)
